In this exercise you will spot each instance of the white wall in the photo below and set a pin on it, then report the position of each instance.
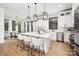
(10, 25)
(1, 25)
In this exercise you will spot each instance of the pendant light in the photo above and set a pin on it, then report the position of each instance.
(28, 17)
(45, 14)
(35, 16)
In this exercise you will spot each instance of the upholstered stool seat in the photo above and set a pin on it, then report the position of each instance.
(37, 44)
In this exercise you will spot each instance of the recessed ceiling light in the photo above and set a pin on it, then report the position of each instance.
(59, 5)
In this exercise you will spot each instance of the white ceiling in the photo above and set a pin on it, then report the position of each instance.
(21, 8)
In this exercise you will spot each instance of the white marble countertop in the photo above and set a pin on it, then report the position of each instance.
(35, 34)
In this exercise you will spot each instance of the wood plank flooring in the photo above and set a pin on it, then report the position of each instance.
(57, 49)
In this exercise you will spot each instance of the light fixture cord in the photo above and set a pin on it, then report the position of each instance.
(28, 10)
(44, 7)
(35, 8)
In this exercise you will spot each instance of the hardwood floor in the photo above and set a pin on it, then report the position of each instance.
(57, 49)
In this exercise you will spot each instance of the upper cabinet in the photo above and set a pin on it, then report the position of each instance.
(65, 18)
(61, 18)
(68, 19)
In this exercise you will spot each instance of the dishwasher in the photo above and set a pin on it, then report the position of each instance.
(60, 36)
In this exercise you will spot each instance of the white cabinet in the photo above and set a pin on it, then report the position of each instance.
(65, 19)
(66, 37)
(53, 36)
(68, 19)
(61, 20)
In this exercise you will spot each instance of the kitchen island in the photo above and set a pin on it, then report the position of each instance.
(44, 36)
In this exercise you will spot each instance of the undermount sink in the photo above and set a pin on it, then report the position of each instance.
(41, 31)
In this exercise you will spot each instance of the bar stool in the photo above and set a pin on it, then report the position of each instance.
(37, 47)
(26, 45)
(20, 42)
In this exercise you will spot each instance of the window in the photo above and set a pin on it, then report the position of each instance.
(13, 25)
(19, 28)
(6, 25)
(24, 26)
(53, 23)
(29, 26)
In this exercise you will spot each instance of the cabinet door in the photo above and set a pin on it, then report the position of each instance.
(61, 20)
(68, 19)
(66, 37)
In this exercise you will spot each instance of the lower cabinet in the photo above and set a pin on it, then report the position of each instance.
(76, 42)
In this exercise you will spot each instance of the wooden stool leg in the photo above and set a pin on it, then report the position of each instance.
(28, 51)
(21, 47)
(38, 50)
(31, 50)
(17, 44)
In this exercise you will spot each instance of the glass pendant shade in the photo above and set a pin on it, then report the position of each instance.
(35, 16)
(45, 14)
(28, 18)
